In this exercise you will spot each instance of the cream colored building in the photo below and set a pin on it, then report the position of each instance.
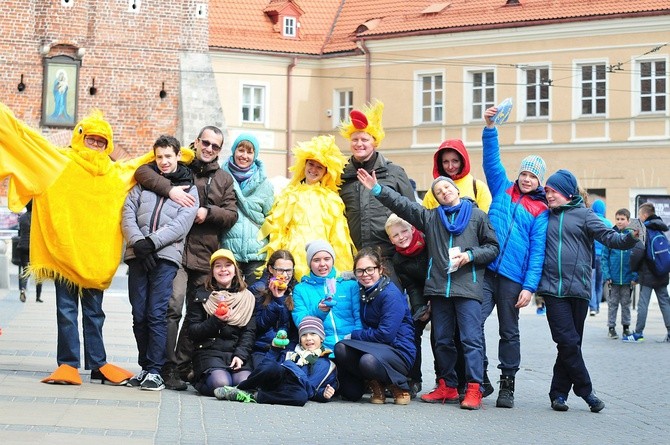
(590, 95)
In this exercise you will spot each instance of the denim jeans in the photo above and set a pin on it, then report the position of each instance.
(466, 313)
(596, 286)
(643, 306)
(149, 294)
(503, 293)
(93, 318)
(566, 317)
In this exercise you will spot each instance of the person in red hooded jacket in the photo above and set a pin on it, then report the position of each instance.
(452, 160)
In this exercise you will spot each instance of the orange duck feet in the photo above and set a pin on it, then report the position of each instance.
(64, 375)
(112, 374)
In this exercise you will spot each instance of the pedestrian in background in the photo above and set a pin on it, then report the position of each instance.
(23, 247)
(620, 278)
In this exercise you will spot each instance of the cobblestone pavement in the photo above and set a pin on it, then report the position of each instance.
(632, 379)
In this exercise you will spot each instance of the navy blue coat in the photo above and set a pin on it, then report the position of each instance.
(387, 320)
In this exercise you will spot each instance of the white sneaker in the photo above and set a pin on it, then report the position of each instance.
(136, 380)
(152, 382)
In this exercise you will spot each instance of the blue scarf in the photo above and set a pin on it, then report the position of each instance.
(241, 175)
(464, 209)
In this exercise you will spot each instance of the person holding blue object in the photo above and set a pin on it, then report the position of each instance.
(519, 215)
(461, 242)
(323, 294)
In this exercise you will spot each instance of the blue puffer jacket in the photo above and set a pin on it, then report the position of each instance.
(387, 320)
(254, 201)
(599, 208)
(571, 231)
(615, 265)
(342, 318)
(520, 220)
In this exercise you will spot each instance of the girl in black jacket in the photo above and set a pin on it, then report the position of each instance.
(222, 326)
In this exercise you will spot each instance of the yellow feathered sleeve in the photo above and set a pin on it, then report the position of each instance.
(30, 161)
(304, 213)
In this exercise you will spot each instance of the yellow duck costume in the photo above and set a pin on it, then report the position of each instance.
(76, 238)
(304, 212)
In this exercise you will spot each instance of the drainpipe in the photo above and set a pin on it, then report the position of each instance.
(289, 109)
(361, 45)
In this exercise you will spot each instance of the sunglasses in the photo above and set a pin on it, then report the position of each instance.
(206, 144)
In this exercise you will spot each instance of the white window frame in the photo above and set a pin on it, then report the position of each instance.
(594, 82)
(341, 109)
(539, 86)
(485, 103)
(263, 102)
(639, 93)
(437, 98)
(290, 26)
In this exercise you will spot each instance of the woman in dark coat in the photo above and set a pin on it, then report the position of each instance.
(222, 326)
(382, 353)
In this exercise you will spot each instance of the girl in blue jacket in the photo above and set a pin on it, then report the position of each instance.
(382, 353)
(320, 294)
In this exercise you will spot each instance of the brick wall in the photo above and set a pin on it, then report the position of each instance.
(130, 55)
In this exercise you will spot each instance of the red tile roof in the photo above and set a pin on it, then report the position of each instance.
(330, 26)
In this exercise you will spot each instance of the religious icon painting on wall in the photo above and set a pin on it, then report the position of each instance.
(59, 91)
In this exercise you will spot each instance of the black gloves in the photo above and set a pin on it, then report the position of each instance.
(149, 262)
(143, 248)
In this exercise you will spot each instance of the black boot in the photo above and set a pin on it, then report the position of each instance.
(506, 392)
(487, 387)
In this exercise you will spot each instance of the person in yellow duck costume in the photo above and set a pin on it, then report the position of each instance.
(310, 208)
(78, 193)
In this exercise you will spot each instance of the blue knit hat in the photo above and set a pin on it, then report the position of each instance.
(246, 137)
(535, 165)
(564, 183)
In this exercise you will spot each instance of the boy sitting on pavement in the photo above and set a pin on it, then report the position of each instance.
(293, 377)
(457, 233)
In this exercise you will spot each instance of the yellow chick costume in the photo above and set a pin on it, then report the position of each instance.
(303, 212)
(78, 194)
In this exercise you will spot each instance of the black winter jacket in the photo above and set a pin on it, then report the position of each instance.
(638, 258)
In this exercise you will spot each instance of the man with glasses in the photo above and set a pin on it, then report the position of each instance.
(217, 213)
(78, 193)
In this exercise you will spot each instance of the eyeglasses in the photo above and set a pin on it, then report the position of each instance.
(206, 144)
(367, 271)
(100, 143)
(286, 271)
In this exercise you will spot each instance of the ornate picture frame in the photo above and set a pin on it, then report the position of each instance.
(60, 91)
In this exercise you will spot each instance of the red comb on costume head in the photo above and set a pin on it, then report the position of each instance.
(358, 119)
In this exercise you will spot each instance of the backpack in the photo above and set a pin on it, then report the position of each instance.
(657, 252)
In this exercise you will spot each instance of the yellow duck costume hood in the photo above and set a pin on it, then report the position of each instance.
(77, 193)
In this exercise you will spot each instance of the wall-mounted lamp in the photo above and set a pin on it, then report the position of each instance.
(93, 89)
(81, 52)
(44, 49)
(21, 86)
(162, 93)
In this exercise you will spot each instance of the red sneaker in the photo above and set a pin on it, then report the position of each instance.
(441, 394)
(473, 397)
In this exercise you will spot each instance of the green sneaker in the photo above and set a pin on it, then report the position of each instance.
(233, 394)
